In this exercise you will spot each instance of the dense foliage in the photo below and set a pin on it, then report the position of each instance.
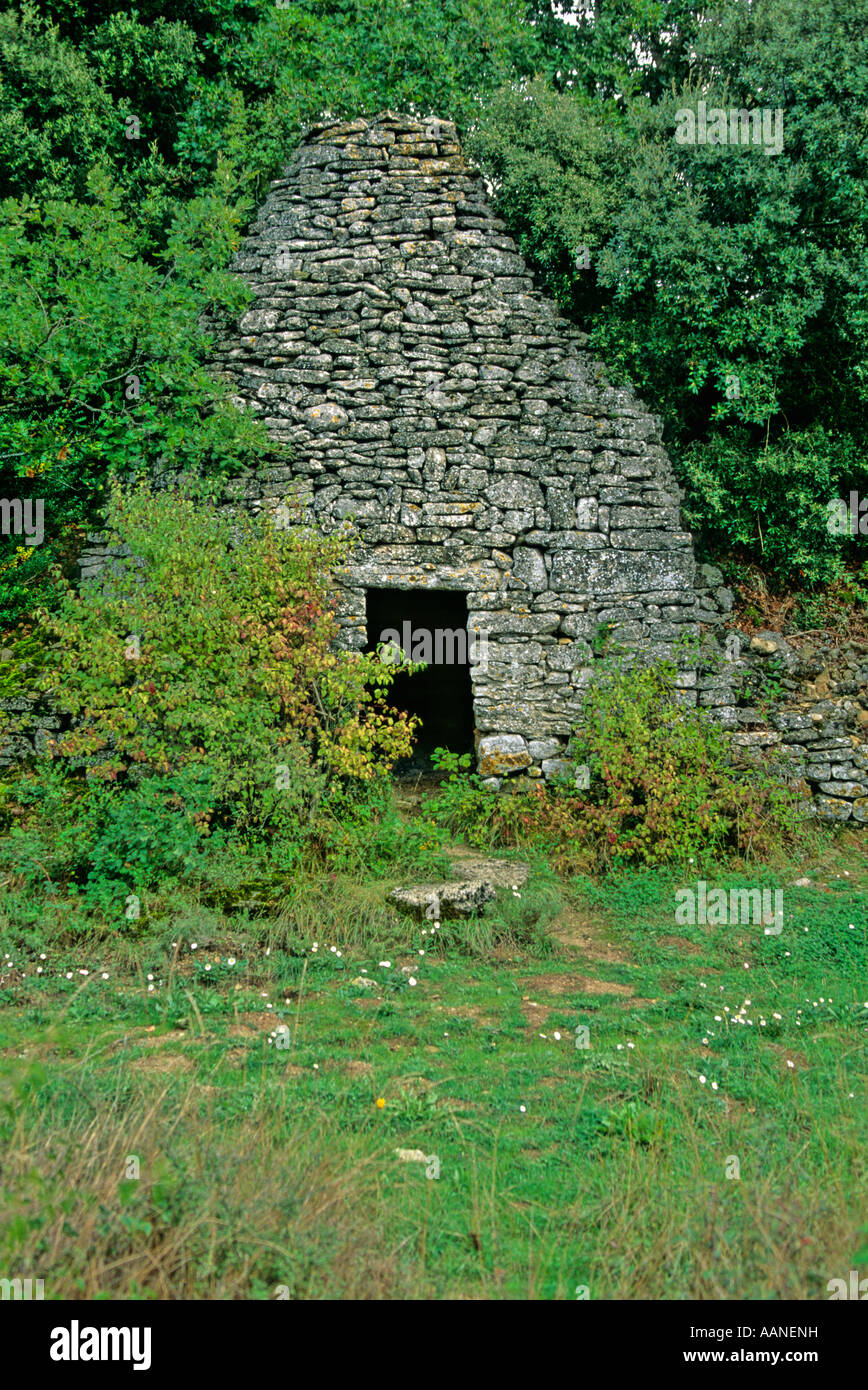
(728, 283)
(133, 146)
(661, 785)
(202, 697)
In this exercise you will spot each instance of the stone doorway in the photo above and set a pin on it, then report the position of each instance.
(428, 625)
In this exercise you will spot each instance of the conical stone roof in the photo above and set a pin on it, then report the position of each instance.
(431, 393)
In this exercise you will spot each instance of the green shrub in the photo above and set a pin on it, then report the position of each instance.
(103, 841)
(662, 784)
(662, 789)
(204, 699)
(726, 286)
(211, 645)
(557, 165)
(773, 505)
(155, 831)
(463, 806)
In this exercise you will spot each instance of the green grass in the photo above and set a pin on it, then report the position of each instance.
(263, 1166)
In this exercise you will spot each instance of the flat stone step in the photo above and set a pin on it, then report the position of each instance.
(443, 901)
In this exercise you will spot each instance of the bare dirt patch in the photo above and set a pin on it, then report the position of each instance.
(254, 1021)
(240, 1056)
(680, 943)
(788, 1054)
(160, 1039)
(559, 985)
(148, 1038)
(244, 1030)
(355, 1067)
(503, 873)
(172, 1062)
(350, 1066)
(588, 935)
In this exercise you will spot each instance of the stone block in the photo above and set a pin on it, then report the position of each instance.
(501, 754)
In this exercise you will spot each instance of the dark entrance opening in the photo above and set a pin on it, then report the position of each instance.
(428, 625)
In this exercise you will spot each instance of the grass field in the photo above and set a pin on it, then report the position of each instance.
(207, 1106)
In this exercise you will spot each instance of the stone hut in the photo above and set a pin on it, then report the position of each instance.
(510, 504)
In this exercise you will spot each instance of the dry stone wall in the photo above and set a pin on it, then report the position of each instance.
(33, 723)
(802, 702)
(431, 394)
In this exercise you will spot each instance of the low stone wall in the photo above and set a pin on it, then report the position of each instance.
(33, 722)
(803, 699)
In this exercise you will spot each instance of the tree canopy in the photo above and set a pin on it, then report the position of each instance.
(728, 282)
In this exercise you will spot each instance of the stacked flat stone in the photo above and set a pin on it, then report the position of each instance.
(433, 396)
(812, 732)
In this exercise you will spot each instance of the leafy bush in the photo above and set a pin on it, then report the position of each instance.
(204, 697)
(104, 375)
(662, 785)
(463, 806)
(210, 644)
(154, 832)
(102, 844)
(366, 836)
(776, 504)
(557, 166)
(726, 284)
